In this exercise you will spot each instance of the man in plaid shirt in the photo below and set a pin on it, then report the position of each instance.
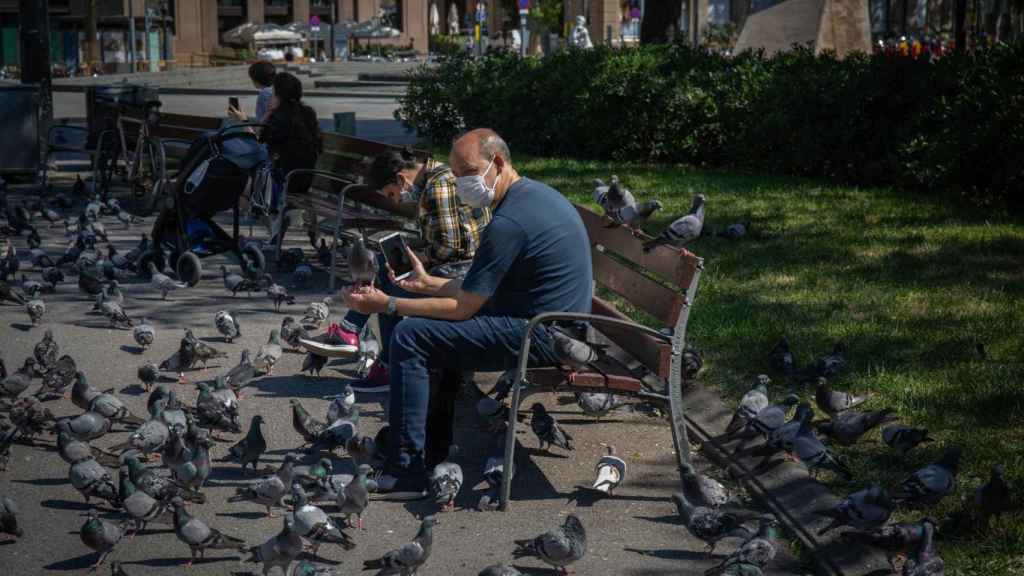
(450, 228)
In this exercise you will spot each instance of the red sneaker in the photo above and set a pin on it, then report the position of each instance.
(376, 381)
(342, 339)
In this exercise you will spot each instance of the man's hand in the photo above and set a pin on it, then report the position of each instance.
(236, 114)
(418, 281)
(365, 300)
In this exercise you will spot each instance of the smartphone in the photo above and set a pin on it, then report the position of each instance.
(394, 248)
(233, 102)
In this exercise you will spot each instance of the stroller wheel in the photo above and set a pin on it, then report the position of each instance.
(189, 269)
(253, 261)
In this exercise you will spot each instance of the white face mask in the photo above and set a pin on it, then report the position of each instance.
(473, 189)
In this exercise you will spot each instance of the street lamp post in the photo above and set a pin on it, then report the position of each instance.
(163, 24)
(131, 35)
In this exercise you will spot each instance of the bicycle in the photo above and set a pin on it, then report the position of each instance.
(144, 166)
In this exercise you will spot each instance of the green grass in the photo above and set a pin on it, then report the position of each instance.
(910, 283)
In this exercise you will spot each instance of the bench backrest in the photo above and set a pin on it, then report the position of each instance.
(351, 157)
(178, 126)
(655, 282)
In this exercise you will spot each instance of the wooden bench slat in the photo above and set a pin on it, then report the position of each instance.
(659, 301)
(652, 352)
(587, 380)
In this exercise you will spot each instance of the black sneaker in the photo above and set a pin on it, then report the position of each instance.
(405, 488)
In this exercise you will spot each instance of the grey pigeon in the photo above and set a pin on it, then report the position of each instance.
(83, 393)
(755, 400)
(931, 483)
(446, 480)
(317, 312)
(701, 489)
(903, 439)
(315, 525)
(101, 536)
(710, 525)
(292, 331)
(925, 561)
(270, 490)
(92, 480)
(865, 509)
(241, 373)
(613, 198)
(353, 500)
(251, 448)
(211, 412)
(235, 283)
(847, 427)
(362, 263)
(767, 420)
(87, 426)
(897, 538)
(148, 374)
(341, 405)
(547, 429)
(14, 384)
(754, 553)
(163, 283)
(144, 334)
(140, 506)
(831, 365)
(813, 454)
(9, 517)
(277, 293)
(31, 288)
(781, 357)
(558, 547)
(683, 230)
(408, 558)
(832, 402)
(500, 570)
(279, 551)
(35, 309)
(111, 407)
(46, 351)
(269, 353)
(339, 434)
(157, 485)
(574, 353)
(598, 404)
(198, 536)
(993, 497)
(9, 293)
(611, 471)
(493, 473)
(306, 425)
(735, 231)
(312, 477)
(203, 351)
(194, 472)
(148, 438)
(223, 394)
(227, 325)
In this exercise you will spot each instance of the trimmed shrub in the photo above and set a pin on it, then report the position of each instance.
(955, 125)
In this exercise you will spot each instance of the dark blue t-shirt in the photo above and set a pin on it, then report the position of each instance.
(534, 256)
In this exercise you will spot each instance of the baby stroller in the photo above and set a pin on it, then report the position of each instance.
(214, 175)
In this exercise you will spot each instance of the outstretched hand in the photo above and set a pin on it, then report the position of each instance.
(417, 281)
(365, 299)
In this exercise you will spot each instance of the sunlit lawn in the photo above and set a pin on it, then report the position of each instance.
(912, 284)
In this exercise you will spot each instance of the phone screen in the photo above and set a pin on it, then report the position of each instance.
(394, 252)
(233, 102)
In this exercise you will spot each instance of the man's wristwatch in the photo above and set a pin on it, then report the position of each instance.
(392, 306)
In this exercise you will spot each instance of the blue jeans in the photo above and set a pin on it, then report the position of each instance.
(355, 321)
(418, 345)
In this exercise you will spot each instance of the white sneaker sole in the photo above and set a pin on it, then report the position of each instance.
(329, 350)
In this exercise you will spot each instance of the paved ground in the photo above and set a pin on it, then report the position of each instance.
(633, 533)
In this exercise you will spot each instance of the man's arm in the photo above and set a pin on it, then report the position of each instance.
(461, 306)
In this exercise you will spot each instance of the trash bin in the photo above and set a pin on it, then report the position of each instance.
(104, 103)
(19, 116)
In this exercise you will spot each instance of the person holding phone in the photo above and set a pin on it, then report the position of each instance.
(262, 75)
(450, 227)
(533, 257)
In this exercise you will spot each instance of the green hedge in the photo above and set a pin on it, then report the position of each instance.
(954, 125)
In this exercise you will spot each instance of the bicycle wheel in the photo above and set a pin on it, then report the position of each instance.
(146, 184)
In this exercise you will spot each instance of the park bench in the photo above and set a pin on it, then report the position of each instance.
(642, 362)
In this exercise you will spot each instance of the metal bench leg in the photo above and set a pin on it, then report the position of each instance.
(334, 243)
(510, 445)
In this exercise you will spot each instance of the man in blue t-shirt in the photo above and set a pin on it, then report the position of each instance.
(534, 257)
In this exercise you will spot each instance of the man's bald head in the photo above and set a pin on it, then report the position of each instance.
(480, 145)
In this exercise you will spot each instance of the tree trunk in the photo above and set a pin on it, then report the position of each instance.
(659, 21)
(92, 46)
(960, 24)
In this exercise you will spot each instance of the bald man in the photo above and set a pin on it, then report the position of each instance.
(534, 257)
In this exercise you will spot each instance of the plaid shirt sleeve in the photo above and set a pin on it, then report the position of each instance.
(451, 229)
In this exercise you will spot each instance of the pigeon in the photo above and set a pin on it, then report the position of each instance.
(116, 315)
(362, 263)
(755, 400)
(183, 359)
(832, 402)
(83, 393)
(611, 471)
(576, 354)
(35, 309)
(500, 570)
(198, 536)
(100, 231)
(269, 353)
(194, 472)
(148, 374)
(768, 420)
(897, 538)
(52, 276)
(341, 405)
(203, 351)
(249, 449)
(408, 558)
(46, 352)
(547, 429)
(993, 497)
(446, 481)
(92, 480)
(85, 427)
(40, 259)
(703, 490)
(809, 451)
(353, 500)
(127, 219)
(930, 484)
(292, 332)
(339, 433)
(110, 292)
(212, 413)
(831, 365)
(9, 293)
(9, 517)
(598, 404)
(101, 536)
(315, 525)
(683, 230)
(241, 373)
(865, 509)
(925, 561)
(159, 486)
(31, 288)
(120, 261)
(163, 283)
(14, 384)
(277, 294)
(755, 552)
(712, 525)
(903, 439)
(613, 198)
(148, 438)
(312, 477)
(235, 283)
(302, 275)
(307, 426)
(559, 547)
(847, 427)
(227, 325)
(317, 312)
(270, 490)
(144, 334)
(735, 231)
(781, 358)
(223, 394)
(141, 507)
(111, 407)
(279, 551)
